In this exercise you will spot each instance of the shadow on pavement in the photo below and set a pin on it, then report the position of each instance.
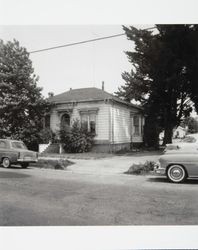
(13, 175)
(18, 167)
(158, 179)
(165, 180)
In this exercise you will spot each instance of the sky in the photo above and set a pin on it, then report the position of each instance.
(80, 66)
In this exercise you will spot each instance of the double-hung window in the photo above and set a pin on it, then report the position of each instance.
(88, 121)
(84, 121)
(92, 123)
(136, 125)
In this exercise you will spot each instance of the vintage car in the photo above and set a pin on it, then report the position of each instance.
(15, 152)
(189, 143)
(178, 167)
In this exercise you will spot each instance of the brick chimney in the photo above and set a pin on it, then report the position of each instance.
(50, 94)
(103, 85)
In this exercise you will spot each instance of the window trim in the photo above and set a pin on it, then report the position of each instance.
(62, 117)
(140, 127)
(88, 112)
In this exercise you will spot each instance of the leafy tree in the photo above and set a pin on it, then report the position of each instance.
(46, 135)
(22, 106)
(191, 59)
(159, 78)
(191, 123)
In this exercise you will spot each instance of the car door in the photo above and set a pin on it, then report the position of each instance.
(190, 162)
(3, 149)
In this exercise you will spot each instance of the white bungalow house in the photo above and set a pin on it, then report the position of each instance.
(116, 124)
(179, 132)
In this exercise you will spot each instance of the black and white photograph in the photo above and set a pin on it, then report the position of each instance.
(105, 133)
(99, 126)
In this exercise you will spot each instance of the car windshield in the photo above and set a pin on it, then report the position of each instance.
(189, 139)
(19, 145)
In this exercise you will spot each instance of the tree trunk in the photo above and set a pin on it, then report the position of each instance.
(151, 134)
(168, 126)
(168, 134)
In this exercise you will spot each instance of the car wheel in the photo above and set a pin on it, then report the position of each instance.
(24, 165)
(6, 162)
(176, 173)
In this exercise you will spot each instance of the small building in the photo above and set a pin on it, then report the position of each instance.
(179, 132)
(116, 124)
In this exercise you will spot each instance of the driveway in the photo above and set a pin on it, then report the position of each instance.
(109, 165)
(33, 197)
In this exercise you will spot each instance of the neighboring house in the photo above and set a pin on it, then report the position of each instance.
(116, 124)
(179, 132)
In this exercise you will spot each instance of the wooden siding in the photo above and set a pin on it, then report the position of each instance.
(137, 138)
(114, 122)
(102, 118)
(54, 121)
(120, 124)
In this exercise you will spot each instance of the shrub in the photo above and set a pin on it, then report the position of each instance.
(141, 168)
(46, 135)
(76, 139)
(61, 164)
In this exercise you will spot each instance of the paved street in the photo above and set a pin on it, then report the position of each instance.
(55, 197)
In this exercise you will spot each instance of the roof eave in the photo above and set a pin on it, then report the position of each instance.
(74, 101)
(99, 100)
(127, 104)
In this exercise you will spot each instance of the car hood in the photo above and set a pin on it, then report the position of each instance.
(181, 151)
(180, 145)
(167, 159)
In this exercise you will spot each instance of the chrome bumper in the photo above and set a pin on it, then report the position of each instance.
(158, 170)
(27, 160)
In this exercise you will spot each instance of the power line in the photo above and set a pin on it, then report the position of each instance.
(82, 42)
(72, 44)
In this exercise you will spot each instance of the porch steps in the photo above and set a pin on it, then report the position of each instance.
(52, 148)
(42, 147)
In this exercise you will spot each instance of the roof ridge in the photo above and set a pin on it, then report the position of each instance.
(75, 90)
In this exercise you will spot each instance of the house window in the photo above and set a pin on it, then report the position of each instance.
(84, 121)
(136, 125)
(92, 123)
(65, 120)
(88, 121)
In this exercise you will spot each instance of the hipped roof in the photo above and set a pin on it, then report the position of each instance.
(88, 94)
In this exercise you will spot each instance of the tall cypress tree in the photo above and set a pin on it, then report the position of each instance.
(159, 78)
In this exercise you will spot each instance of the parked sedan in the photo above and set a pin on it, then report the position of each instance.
(15, 152)
(189, 143)
(178, 167)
